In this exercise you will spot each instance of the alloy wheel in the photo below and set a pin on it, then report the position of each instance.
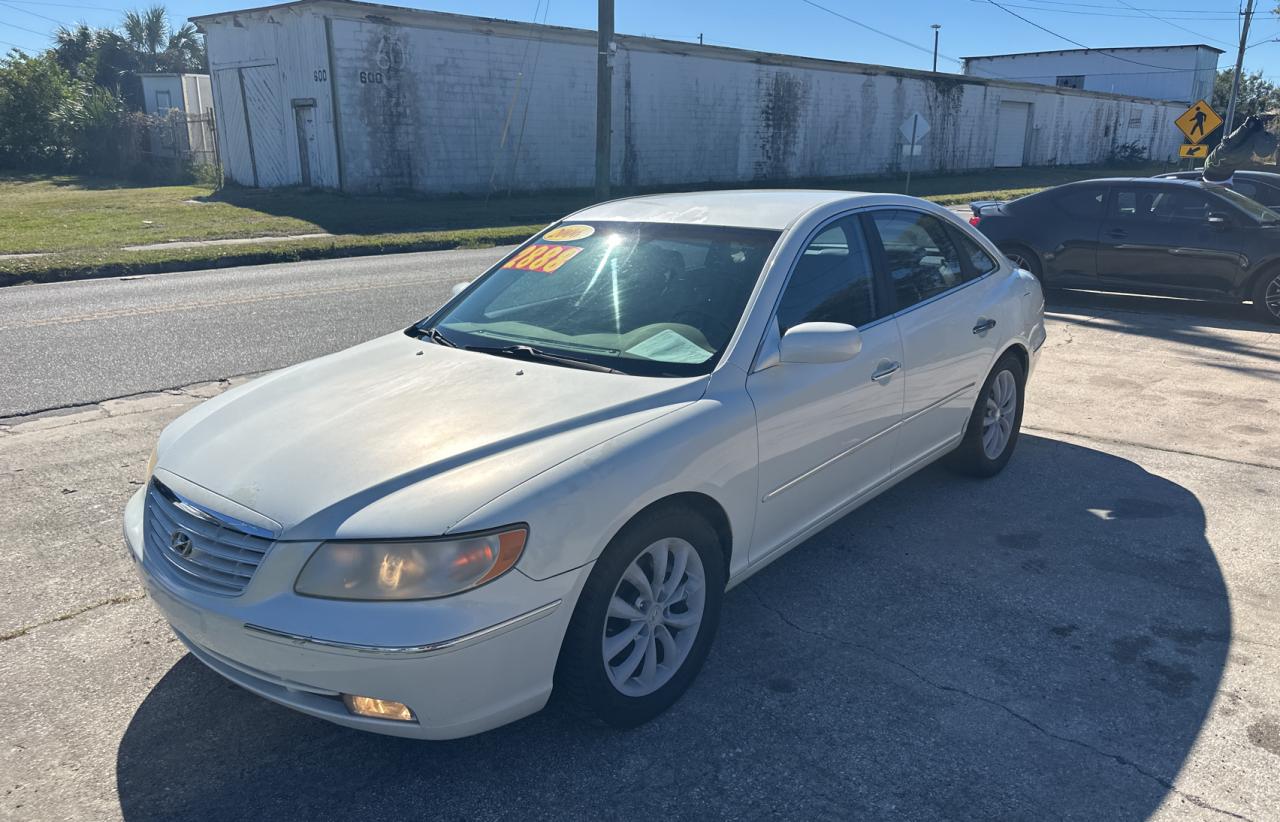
(653, 617)
(1001, 412)
(1271, 297)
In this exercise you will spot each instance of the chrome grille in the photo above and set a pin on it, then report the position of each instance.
(219, 555)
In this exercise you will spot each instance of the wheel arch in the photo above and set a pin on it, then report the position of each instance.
(701, 504)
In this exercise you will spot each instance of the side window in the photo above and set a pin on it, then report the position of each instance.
(832, 281)
(1247, 189)
(1163, 205)
(922, 260)
(1083, 203)
(980, 262)
(1182, 204)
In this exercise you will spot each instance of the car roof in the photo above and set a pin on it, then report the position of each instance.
(744, 208)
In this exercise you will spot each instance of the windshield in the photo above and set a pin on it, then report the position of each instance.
(655, 299)
(1253, 208)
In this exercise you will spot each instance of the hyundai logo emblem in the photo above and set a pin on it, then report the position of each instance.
(181, 544)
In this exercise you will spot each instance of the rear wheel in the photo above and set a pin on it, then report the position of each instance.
(994, 423)
(1266, 296)
(645, 621)
(1023, 257)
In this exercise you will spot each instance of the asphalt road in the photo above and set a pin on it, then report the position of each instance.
(1089, 635)
(81, 342)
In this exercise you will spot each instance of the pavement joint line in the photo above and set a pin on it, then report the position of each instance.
(193, 306)
(117, 600)
(1145, 446)
(9, 422)
(1117, 758)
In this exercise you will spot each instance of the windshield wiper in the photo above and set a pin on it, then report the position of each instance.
(436, 337)
(528, 352)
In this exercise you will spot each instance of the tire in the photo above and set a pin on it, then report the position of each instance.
(975, 455)
(1023, 257)
(583, 679)
(1266, 296)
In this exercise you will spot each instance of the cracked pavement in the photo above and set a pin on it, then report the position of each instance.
(1092, 634)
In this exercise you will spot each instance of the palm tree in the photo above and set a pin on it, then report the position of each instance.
(147, 32)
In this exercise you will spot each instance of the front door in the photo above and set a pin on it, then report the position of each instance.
(947, 307)
(1159, 238)
(304, 115)
(826, 430)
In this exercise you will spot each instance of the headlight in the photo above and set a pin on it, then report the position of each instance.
(151, 465)
(410, 569)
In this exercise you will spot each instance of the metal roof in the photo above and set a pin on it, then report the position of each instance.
(1086, 51)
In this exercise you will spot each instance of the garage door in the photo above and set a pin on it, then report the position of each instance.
(1011, 134)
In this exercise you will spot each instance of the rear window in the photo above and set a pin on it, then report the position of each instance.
(1081, 202)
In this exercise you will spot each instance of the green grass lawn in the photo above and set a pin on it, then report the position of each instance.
(80, 225)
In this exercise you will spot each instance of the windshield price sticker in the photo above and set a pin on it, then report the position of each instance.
(568, 233)
(543, 258)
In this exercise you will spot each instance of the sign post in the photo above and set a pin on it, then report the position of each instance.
(913, 128)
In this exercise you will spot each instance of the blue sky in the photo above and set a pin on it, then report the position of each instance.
(798, 27)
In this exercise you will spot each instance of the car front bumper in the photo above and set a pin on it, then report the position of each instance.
(476, 661)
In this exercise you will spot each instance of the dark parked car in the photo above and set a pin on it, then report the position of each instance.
(1143, 235)
(1262, 186)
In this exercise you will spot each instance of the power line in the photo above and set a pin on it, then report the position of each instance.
(23, 28)
(32, 13)
(1171, 23)
(893, 37)
(1102, 52)
(1136, 8)
(1122, 16)
(67, 5)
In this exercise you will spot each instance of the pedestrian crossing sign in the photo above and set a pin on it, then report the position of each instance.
(1198, 122)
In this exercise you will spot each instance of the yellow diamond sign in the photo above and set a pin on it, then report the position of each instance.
(1193, 150)
(1198, 122)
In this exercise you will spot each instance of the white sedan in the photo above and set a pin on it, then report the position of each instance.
(552, 481)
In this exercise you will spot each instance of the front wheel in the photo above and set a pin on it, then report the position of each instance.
(994, 424)
(1266, 296)
(644, 623)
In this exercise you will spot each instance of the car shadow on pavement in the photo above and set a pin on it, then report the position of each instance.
(1043, 644)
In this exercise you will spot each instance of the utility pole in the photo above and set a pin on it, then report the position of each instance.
(699, 38)
(604, 97)
(935, 27)
(1235, 79)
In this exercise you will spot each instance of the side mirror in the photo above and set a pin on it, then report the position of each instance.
(1218, 219)
(458, 288)
(819, 343)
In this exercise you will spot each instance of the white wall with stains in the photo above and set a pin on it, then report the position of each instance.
(405, 100)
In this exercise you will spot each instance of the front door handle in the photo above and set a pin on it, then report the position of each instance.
(884, 370)
(984, 326)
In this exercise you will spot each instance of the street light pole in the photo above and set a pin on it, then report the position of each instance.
(935, 28)
(1235, 80)
(604, 97)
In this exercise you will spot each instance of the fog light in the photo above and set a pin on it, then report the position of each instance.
(377, 708)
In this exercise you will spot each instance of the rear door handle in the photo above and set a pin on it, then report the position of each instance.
(984, 326)
(885, 370)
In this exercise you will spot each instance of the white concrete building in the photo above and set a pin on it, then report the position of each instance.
(372, 98)
(1181, 73)
(183, 104)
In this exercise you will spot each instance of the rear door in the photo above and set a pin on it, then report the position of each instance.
(1159, 239)
(946, 309)
(1074, 222)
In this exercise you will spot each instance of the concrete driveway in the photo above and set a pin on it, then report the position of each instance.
(1090, 635)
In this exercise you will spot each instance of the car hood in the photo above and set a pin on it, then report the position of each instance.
(400, 436)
